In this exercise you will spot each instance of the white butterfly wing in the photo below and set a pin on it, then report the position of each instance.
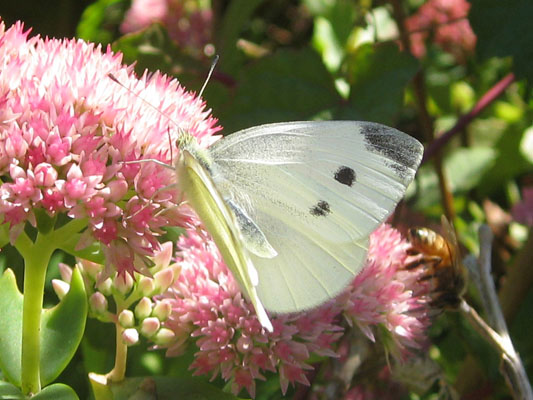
(316, 190)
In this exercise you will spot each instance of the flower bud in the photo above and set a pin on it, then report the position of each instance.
(163, 279)
(45, 174)
(150, 326)
(98, 303)
(105, 287)
(162, 310)
(162, 257)
(146, 286)
(245, 344)
(143, 309)
(117, 189)
(60, 287)
(91, 269)
(126, 319)
(65, 271)
(130, 336)
(164, 337)
(123, 283)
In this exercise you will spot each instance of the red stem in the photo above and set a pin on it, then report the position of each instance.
(483, 103)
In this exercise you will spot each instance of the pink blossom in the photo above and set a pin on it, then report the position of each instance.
(207, 306)
(65, 131)
(446, 22)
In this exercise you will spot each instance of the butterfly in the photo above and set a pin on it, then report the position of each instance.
(291, 205)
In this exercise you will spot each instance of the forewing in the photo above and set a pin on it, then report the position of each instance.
(316, 190)
(205, 199)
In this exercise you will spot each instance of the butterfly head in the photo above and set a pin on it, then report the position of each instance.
(187, 142)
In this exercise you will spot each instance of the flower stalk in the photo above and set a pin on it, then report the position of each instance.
(118, 372)
(36, 258)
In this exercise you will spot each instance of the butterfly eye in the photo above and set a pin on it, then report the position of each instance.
(345, 175)
(321, 209)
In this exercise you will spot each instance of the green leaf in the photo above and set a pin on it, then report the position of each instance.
(378, 76)
(237, 15)
(100, 20)
(331, 31)
(4, 234)
(93, 252)
(62, 329)
(57, 391)
(464, 169)
(10, 391)
(167, 388)
(153, 49)
(45, 223)
(289, 85)
(466, 166)
(10, 327)
(503, 28)
(509, 163)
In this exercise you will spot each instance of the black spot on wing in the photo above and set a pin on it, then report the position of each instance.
(402, 149)
(321, 209)
(345, 175)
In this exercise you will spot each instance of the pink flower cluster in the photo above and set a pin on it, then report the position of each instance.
(446, 23)
(65, 131)
(385, 293)
(207, 305)
(186, 21)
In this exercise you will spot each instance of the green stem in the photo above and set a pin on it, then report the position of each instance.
(36, 257)
(118, 372)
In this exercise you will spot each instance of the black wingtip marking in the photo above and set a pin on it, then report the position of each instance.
(321, 209)
(345, 175)
(402, 149)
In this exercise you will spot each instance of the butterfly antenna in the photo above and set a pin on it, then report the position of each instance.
(114, 79)
(211, 69)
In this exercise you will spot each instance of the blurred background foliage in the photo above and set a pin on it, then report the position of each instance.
(420, 66)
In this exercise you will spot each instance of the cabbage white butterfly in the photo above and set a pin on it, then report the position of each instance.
(291, 205)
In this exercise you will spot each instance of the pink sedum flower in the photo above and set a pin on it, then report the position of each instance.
(387, 295)
(65, 131)
(207, 305)
(446, 22)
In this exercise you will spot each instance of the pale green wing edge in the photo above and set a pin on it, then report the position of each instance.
(202, 195)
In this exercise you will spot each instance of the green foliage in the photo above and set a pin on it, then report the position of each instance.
(289, 85)
(56, 391)
(378, 78)
(167, 388)
(464, 169)
(99, 22)
(504, 30)
(61, 329)
(10, 327)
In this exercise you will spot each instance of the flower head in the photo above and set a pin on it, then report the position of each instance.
(385, 294)
(446, 22)
(66, 131)
(207, 306)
